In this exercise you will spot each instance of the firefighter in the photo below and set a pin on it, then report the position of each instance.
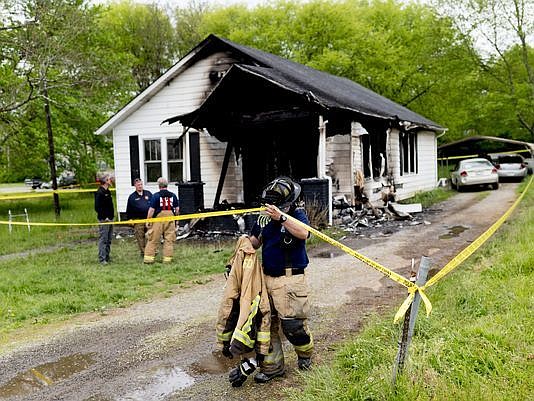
(284, 261)
(163, 203)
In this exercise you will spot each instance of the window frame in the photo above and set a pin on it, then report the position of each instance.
(408, 153)
(153, 162)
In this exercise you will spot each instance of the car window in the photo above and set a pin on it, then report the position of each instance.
(476, 164)
(510, 159)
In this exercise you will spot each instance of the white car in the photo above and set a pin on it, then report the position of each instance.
(510, 166)
(474, 172)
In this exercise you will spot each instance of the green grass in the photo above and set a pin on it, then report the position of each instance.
(477, 345)
(75, 208)
(50, 287)
(429, 198)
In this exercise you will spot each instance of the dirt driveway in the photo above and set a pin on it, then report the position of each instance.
(163, 349)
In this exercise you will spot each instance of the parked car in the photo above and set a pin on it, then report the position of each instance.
(34, 182)
(471, 172)
(63, 180)
(510, 166)
(529, 161)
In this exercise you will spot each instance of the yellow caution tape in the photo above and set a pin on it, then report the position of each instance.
(458, 259)
(412, 287)
(478, 155)
(48, 193)
(138, 221)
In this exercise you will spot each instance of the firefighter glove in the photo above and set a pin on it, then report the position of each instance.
(241, 372)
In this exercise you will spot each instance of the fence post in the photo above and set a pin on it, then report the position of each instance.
(10, 219)
(409, 319)
(27, 218)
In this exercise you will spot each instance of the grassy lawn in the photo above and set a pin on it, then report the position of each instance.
(75, 208)
(477, 345)
(44, 288)
(429, 198)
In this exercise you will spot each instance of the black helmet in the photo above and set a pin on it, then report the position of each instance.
(281, 192)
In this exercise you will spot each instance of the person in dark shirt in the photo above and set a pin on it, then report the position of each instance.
(137, 208)
(105, 213)
(285, 261)
(163, 204)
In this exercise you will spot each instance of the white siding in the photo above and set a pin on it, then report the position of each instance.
(426, 177)
(338, 158)
(183, 94)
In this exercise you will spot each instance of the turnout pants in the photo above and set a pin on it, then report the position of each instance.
(139, 234)
(159, 229)
(288, 296)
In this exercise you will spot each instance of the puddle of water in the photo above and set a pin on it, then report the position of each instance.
(454, 232)
(46, 375)
(163, 381)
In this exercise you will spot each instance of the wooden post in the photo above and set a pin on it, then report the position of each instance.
(410, 318)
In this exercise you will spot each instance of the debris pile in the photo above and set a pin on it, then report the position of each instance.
(368, 219)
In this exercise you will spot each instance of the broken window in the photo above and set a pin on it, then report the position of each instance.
(152, 149)
(408, 152)
(175, 159)
(374, 157)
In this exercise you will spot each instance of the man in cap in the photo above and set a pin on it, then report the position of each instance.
(284, 260)
(136, 209)
(163, 204)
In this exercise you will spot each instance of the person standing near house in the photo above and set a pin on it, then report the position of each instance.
(163, 204)
(137, 208)
(284, 260)
(105, 213)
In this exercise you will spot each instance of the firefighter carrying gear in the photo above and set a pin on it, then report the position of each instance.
(244, 316)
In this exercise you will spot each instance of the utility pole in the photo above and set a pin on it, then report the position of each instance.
(52, 158)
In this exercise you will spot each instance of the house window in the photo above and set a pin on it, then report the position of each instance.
(152, 159)
(408, 152)
(175, 159)
(373, 148)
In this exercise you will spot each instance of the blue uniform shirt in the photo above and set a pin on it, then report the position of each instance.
(275, 256)
(164, 200)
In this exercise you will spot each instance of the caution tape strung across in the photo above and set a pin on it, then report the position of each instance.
(48, 193)
(412, 287)
(458, 259)
(137, 221)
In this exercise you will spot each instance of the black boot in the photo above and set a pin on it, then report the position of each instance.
(264, 377)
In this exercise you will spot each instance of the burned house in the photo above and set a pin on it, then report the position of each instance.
(228, 118)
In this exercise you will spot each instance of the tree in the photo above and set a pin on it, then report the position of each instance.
(404, 52)
(57, 64)
(145, 33)
(503, 31)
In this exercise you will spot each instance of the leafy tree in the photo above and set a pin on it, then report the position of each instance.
(56, 53)
(145, 33)
(503, 31)
(404, 52)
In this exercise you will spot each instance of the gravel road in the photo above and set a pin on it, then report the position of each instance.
(164, 349)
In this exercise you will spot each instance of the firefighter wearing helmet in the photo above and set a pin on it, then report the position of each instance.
(284, 260)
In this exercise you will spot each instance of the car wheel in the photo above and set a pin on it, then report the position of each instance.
(495, 185)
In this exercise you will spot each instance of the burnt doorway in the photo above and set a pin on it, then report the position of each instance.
(278, 149)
